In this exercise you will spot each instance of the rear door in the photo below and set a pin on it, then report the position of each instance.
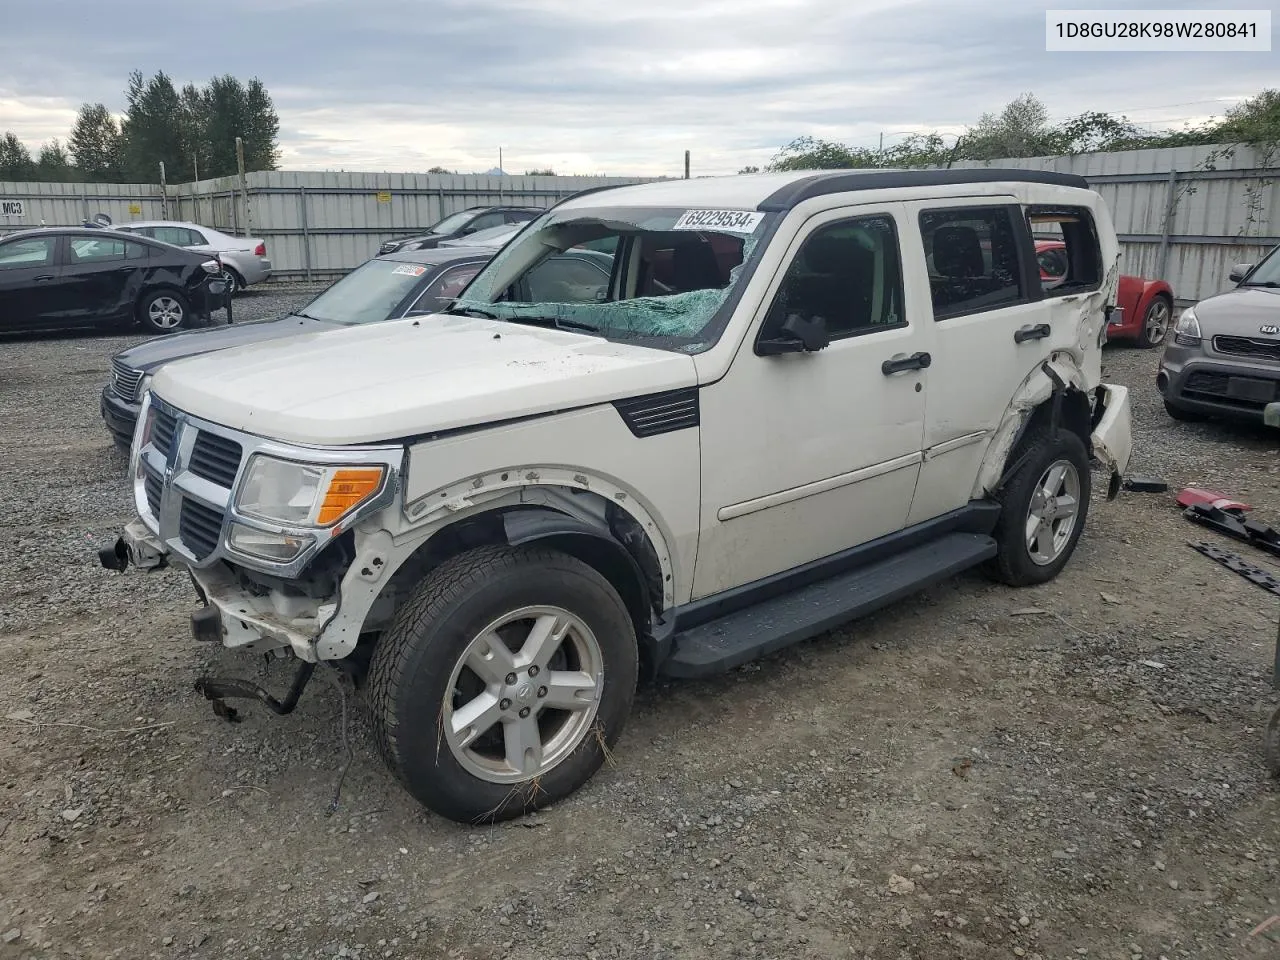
(29, 275)
(103, 277)
(990, 328)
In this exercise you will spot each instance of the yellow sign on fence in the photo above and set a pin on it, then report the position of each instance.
(135, 209)
(384, 196)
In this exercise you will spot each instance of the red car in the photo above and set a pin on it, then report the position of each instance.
(1148, 304)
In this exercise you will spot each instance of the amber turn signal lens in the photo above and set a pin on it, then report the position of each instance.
(348, 487)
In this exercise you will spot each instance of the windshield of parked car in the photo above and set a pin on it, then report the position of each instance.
(663, 277)
(367, 294)
(453, 222)
(1268, 272)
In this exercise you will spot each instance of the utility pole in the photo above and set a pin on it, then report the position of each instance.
(164, 195)
(501, 181)
(686, 164)
(882, 141)
(244, 190)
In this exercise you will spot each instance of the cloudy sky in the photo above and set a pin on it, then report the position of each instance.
(593, 86)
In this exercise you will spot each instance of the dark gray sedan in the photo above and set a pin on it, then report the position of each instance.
(385, 288)
(1224, 358)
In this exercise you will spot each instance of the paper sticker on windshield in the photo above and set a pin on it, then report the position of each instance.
(731, 221)
(410, 270)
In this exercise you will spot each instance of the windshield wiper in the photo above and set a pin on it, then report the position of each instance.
(307, 316)
(559, 323)
(472, 312)
(1262, 283)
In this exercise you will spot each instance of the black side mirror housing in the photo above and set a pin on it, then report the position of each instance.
(796, 335)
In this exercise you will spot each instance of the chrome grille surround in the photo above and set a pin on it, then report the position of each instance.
(180, 482)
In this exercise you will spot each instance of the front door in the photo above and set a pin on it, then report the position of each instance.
(990, 333)
(28, 283)
(100, 277)
(808, 454)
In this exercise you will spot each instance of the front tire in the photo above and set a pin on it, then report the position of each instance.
(503, 682)
(163, 311)
(1043, 509)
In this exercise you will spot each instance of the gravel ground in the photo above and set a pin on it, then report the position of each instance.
(1072, 770)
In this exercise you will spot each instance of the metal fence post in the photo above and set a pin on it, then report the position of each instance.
(1166, 228)
(306, 232)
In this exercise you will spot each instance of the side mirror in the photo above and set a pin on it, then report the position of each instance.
(797, 335)
(1239, 271)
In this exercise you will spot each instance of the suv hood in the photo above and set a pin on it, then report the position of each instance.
(404, 378)
(150, 354)
(1239, 312)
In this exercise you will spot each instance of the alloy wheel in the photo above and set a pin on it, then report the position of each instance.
(1051, 516)
(523, 694)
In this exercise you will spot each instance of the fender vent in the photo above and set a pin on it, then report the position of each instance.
(660, 412)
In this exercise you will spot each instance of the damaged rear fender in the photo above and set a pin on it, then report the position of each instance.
(1036, 390)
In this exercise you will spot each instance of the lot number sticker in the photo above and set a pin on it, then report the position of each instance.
(410, 270)
(731, 221)
(12, 208)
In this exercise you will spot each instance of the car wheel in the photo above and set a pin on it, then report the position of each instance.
(1183, 414)
(1043, 509)
(503, 682)
(1155, 323)
(232, 280)
(163, 311)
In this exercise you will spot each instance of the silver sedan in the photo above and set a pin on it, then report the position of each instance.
(244, 259)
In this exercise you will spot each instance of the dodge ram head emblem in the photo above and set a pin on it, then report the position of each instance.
(1270, 329)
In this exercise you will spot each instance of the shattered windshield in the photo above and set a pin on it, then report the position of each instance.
(657, 275)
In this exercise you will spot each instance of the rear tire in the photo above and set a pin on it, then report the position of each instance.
(461, 704)
(1183, 414)
(233, 280)
(1043, 509)
(163, 311)
(1156, 322)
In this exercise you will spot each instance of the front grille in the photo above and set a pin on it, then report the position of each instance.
(125, 381)
(152, 485)
(1213, 384)
(200, 528)
(215, 458)
(1248, 347)
(162, 431)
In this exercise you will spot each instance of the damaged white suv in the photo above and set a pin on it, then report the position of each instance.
(767, 405)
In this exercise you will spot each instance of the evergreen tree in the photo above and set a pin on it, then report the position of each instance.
(95, 144)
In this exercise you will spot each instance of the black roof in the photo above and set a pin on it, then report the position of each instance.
(843, 181)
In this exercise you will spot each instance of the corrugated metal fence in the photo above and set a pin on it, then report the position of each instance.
(316, 225)
(1185, 215)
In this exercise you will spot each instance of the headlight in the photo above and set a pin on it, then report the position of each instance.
(305, 494)
(1186, 332)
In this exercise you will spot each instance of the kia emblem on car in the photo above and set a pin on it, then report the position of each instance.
(1270, 329)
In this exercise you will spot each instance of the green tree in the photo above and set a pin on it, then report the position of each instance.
(548, 172)
(54, 166)
(95, 144)
(152, 130)
(15, 159)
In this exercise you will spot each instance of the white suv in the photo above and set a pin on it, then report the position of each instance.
(787, 401)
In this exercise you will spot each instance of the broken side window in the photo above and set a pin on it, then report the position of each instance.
(1067, 249)
(973, 259)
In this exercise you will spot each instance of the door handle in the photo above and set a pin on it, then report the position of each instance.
(916, 361)
(1036, 332)
(44, 279)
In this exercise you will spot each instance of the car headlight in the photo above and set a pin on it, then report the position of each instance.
(1186, 332)
(305, 494)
